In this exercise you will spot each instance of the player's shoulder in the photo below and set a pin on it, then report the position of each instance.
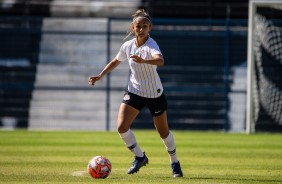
(128, 42)
(151, 41)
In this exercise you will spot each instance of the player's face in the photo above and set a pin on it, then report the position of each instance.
(141, 27)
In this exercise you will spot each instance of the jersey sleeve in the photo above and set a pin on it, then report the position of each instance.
(155, 49)
(121, 55)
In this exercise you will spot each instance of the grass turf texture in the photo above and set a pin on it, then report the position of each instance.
(206, 157)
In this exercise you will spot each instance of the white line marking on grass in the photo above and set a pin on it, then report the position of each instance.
(79, 173)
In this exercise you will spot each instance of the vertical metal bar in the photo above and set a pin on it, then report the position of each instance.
(250, 128)
(108, 107)
(226, 69)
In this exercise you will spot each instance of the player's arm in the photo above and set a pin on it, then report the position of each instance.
(156, 60)
(108, 68)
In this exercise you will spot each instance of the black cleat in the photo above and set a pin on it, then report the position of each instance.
(137, 164)
(176, 170)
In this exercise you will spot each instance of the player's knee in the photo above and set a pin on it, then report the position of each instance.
(164, 134)
(121, 128)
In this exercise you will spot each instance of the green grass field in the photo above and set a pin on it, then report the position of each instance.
(206, 157)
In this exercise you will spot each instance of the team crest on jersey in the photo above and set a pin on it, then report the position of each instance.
(126, 97)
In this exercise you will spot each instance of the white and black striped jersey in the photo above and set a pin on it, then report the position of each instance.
(144, 79)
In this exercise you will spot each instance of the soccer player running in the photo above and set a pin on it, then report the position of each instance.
(144, 89)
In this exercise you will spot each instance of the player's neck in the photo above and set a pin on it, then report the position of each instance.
(140, 41)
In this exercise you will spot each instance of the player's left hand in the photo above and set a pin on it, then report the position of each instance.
(137, 59)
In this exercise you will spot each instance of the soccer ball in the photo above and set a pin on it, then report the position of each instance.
(99, 167)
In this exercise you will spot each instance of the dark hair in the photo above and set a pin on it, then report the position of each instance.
(141, 13)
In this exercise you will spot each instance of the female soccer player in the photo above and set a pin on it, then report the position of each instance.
(144, 89)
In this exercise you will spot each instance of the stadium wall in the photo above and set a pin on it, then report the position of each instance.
(197, 75)
(50, 47)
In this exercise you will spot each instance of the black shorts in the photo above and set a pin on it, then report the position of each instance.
(156, 105)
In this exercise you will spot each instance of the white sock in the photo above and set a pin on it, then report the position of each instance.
(131, 143)
(170, 147)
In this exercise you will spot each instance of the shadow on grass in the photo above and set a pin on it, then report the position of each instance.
(247, 180)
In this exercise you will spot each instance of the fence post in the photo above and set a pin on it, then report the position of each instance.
(226, 69)
(108, 113)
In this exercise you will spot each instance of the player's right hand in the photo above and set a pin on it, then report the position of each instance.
(93, 79)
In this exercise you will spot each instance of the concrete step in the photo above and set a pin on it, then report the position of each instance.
(49, 124)
(75, 80)
(66, 61)
(109, 8)
(68, 95)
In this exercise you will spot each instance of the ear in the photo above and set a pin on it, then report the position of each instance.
(150, 27)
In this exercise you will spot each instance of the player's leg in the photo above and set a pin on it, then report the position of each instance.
(158, 107)
(161, 125)
(127, 114)
(168, 140)
(166, 135)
